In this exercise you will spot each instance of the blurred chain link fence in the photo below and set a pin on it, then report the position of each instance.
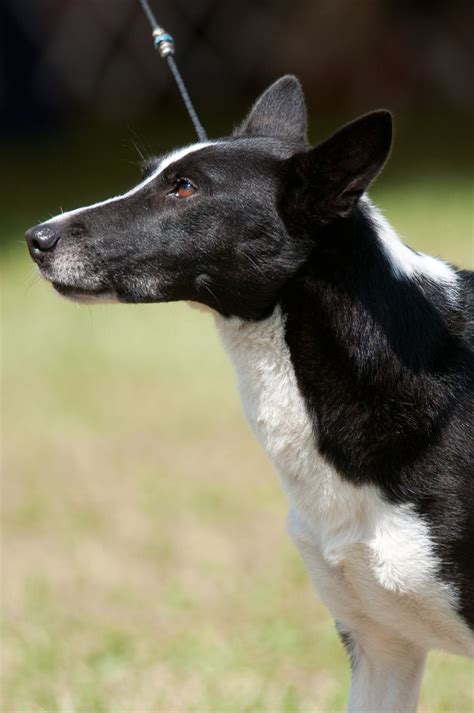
(75, 59)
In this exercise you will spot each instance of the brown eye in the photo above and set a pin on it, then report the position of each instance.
(183, 188)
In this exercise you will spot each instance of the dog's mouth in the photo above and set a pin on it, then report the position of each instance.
(85, 296)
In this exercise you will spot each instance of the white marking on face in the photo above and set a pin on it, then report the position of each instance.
(403, 261)
(371, 561)
(167, 161)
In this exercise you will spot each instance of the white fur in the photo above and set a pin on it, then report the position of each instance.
(167, 161)
(403, 261)
(371, 561)
(387, 677)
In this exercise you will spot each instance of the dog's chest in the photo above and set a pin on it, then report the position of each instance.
(277, 414)
(380, 553)
(269, 393)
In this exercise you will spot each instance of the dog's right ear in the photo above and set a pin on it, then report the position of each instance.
(280, 111)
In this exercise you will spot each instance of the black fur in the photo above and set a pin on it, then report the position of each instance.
(348, 643)
(384, 362)
(156, 248)
(385, 367)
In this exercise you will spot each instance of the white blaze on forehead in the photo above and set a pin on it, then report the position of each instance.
(167, 161)
(177, 155)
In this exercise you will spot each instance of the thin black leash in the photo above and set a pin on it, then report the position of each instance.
(164, 43)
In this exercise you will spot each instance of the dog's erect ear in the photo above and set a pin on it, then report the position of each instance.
(328, 180)
(279, 111)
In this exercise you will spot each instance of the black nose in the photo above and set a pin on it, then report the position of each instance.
(40, 239)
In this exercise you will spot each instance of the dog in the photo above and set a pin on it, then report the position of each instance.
(353, 355)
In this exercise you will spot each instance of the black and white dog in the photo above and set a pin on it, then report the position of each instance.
(353, 355)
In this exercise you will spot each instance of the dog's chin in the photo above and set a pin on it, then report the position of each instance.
(85, 296)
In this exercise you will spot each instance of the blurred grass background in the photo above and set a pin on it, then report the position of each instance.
(145, 564)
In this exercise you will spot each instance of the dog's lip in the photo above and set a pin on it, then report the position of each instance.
(79, 294)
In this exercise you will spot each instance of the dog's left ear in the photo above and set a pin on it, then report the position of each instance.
(326, 182)
(280, 111)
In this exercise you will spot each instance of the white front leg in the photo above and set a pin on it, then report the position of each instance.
(386, 676)
(386, 669)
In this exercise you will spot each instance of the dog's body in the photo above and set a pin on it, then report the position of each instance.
(353, 355)
(373, 555)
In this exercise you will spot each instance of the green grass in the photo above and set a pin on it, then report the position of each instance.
(145, 562)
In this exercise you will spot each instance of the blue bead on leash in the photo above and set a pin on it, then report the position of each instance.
(164, 43)
(160, 37)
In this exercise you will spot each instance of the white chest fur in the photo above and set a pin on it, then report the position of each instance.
(367, 557)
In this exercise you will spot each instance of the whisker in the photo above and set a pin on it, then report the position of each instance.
(32, 273)
(33, 280)
(204, 284)
(257, 267)
(138, 150)
(141, 150)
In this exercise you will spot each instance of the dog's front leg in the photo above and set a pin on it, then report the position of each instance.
(386, 674)
(386, 670)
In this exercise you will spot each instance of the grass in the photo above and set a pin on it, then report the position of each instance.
(145, 562)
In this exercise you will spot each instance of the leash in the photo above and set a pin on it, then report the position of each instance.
(164, 43)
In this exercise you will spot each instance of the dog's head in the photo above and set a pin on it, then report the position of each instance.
(225, 223)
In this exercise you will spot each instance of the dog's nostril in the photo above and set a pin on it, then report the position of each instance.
(40, 239)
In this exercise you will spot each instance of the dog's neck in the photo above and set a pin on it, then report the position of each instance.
(373, 301)
(365, 325)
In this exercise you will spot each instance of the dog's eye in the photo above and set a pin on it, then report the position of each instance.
(183, 188)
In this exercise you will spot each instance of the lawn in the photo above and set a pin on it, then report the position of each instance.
(146, 567)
